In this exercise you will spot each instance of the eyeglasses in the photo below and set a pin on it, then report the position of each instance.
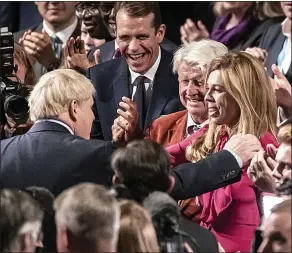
(104, 8)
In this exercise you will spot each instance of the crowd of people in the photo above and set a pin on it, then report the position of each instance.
(134, 144)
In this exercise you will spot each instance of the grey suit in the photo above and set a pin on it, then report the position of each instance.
(40, 69)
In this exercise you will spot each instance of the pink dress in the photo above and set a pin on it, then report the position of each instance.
(231, 212)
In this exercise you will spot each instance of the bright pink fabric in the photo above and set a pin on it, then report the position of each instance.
(230, 212)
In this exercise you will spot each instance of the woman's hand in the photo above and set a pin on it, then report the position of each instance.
(191, 32)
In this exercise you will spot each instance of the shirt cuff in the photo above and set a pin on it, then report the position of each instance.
(238, 159)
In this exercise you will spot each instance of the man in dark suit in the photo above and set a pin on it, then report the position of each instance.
(56, 152)
(147, 169)
(109, 50)
(45, 42)
(144, 73)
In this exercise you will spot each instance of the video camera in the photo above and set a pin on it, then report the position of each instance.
(13, 94)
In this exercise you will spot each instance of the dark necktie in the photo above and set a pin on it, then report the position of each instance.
(57, 45)
(117, 53)
(140, 99)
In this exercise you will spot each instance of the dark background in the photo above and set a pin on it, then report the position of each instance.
(22, 15)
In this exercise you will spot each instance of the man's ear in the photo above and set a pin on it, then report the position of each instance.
(27, 243)
(160, 33)
(171, 184)
(73, 110)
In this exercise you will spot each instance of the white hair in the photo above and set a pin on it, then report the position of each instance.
(55, 91)
(201, 53)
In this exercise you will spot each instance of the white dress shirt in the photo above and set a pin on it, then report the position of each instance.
(150, 74)
(192, 123)
(286, 49)
(65, 34)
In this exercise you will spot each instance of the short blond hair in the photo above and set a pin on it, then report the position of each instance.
(55, 91)
(201, 53)
(90, 212)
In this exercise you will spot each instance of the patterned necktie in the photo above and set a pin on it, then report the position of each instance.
(140, 99)
(193, 129)
(56, 45)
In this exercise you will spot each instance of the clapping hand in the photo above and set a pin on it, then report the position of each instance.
(191, 32)
(282, 89)
(75, 56)
(38, 46)
(125, 127)
(260, 171)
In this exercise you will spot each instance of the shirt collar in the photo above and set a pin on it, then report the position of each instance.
(150, 74)
(286, 28)
(116, 45)
(65, 34)
(191, 122)
(58, 122)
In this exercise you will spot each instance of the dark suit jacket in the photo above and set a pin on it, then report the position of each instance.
(273, 40)
(204, 238)
(49, 156)
(211, 173)
(107, 50)
(111, 81)
(40, 69)
(256, 35)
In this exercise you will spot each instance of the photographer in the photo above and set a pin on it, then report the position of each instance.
(26, 75)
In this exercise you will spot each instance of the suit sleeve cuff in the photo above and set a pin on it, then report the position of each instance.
(238, 159)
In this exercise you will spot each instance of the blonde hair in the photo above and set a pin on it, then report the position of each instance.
(201, 53)
(243, 78)
(55, 91)
(285, 134)
(21, 56)
(137, 233)
(90, 212)
(261, 10)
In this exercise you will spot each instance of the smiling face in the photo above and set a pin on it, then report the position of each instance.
(192, 91)
(222, 107)
(138, 41)
(56, 12)
(287, 8)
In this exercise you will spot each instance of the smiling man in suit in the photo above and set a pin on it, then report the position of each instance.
(144, 73)
(110, 50)
(44, 42)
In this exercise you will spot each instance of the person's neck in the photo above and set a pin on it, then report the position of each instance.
(59, 27)
(199, 119)
(236, 17)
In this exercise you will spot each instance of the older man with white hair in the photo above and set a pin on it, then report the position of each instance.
(56, 152)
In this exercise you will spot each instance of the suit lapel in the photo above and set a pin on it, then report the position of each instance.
(121, 82)
(162, 88)
(275, 51)
(108, 52)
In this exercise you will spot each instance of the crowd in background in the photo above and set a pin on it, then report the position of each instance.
(132, 143)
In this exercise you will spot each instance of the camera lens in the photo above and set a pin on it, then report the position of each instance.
(17, 108)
